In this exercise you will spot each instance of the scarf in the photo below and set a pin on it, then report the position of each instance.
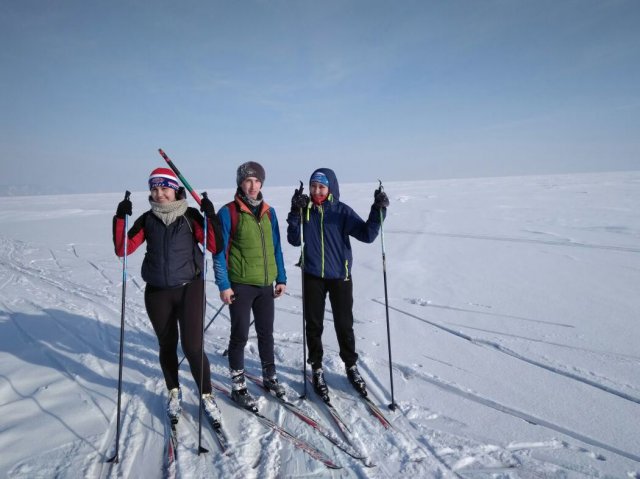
(254, 205)
(169, 212)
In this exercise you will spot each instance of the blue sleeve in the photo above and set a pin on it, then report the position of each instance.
(365, 231)
(220, 259)
(281, 278)
(293, 228)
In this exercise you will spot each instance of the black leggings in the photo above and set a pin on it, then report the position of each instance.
(180, 307)
(341, 298)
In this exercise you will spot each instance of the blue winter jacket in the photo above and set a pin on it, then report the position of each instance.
(327, 228)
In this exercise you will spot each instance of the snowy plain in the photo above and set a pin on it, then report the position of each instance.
(513, 306)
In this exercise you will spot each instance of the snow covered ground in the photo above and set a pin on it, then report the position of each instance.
(514, 326)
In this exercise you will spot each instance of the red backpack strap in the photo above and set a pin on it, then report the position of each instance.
(233, 215)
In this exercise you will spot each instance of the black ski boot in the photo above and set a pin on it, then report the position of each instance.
(272, 384)
(239, 392)
(320, 385)
(356, 380)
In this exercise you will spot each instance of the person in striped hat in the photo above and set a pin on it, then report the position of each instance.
(173, 270)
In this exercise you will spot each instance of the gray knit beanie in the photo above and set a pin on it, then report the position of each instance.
(250, 169)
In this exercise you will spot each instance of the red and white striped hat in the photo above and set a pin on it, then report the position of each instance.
(163, 178)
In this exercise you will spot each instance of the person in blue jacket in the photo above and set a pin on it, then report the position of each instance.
(328, 225)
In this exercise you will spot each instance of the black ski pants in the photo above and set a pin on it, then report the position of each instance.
(341, 299)
(260, 301)
(180, 309)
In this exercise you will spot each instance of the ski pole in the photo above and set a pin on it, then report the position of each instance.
(115, 457)
(219, 310)
(304, 324)
(393, 404)
(177, 172)
(204, 312)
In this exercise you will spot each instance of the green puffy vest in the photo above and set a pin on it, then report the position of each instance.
(252, 258)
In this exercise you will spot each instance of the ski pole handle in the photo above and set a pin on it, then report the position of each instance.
(177, 172)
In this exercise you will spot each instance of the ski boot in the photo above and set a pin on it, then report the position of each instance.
(211, 409)
(320, 385)
(174, 408)
(272, 384)
(356, 380)
(239, 392)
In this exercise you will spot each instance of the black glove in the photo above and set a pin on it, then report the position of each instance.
(380, 199)
(299, 200)
(124, 208)
(207, 207)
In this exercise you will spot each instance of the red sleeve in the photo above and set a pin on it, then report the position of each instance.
(135, 235)
(198, 231)
(214, 233)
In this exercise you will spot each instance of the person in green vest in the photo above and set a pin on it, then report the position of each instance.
(250, 273)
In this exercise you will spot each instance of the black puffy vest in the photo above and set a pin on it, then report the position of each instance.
(173, 257)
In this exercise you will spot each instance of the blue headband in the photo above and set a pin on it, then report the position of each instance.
(319, 177)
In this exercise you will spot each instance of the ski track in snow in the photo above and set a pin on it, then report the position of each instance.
(566, 243)
(475, 311)
(511, 411)
(605, 354)
(524, 416)
(509, 352)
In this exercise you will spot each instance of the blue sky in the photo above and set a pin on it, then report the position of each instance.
(394, 90)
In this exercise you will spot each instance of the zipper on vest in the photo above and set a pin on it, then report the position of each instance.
(167, 241)
(346, 270)
(264, 252)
